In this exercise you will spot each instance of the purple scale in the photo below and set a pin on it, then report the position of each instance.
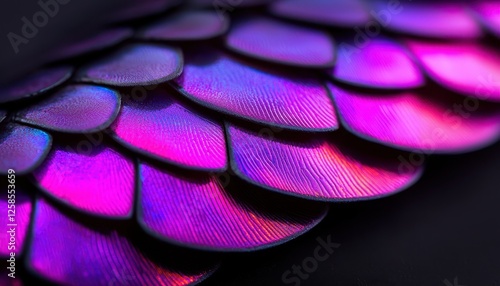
(22, 148)
(488, 13)
(466, 68)
(341, 13)
(134, 65)
(90, 177)
(379, 63)
(434, 20)
(429, 123)
(66, 252)
(192, 25)
(74, 109)
(21, 215)
(35, 83)
(330, 168)
(162, 128)
(256, 93)
(198, 212)
(276, 41)
(100, 41)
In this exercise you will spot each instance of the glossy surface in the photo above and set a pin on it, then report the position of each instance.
(75, 254)
(258, 94)
(281, 42)
(18, 218)
(193, 25)
(488, 13)
(470, 69)
(162, 128)
(344, 13)
(22, 148)
(198, 212)
(442, 20)
(422, 122)
(324, 167)
(92, 178)
(74, 109)
(380, 63)
(34, 83)
(135, 64)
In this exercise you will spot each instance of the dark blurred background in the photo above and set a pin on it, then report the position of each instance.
(73, 20)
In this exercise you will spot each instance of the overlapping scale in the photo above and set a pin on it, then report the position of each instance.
(467, 68)
(424, 122)
(134, 65)
(17, 219)
(93, 178)
(75, 108)
(334, 167)
(67, 252)
(435, 20)
(488, 12)
(197, 211)
(134, 9)
(379, 63)
(342, 13)
(93, 43)
(162, 128)
(188, 25)
(35, 83)
(279, 42)
(22, 148)
(257, 93)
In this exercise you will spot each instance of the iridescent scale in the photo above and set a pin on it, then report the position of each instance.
(216, 129)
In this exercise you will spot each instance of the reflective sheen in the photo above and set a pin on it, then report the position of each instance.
(488, 13)
(21, 215)
(161, 127)
(344, 13)
(193, 25)
(324, 167)
(380, 63)
(436, 20)
(198, 212)
(92, 178)
(273, 40)
(22, 148)
(75, 109)
(70, 253)
(426, 122)
(135, 64)
(254, 93)
(34, 83)
(469, 69)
